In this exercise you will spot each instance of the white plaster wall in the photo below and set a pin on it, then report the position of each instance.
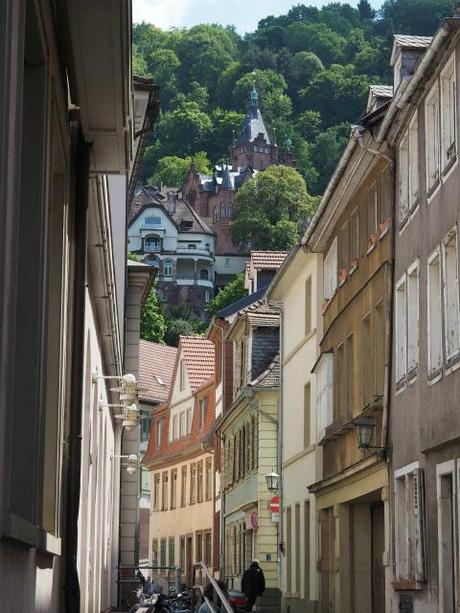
(97, 522)
(236, 265)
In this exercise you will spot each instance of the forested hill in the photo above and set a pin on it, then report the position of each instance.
(312, 68)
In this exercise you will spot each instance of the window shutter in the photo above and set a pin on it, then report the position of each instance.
(420, 527)
(249, 439)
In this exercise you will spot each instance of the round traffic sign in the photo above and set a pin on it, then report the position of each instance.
(274, 504)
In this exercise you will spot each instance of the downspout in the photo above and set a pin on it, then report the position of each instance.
(280, 453)
(80, 187)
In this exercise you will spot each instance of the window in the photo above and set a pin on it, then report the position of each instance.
(182, 424)
(159, 433)
(156, 492)
(354, 238)
(434, 315)
(182, 375)
(227, 261)
(448, 114)
(380, 346)
(410, 523)
(164, 492)
(173, 488)
(215, 214)
(298, 546)
(175, 428)
(412, 320)
(183, 487)
(451, 297)
(330, 271)
(308, 302)
(306, 415)
(191, 246)
(343, 251)
(208, 548)
(413, 180)
(372, 211)
(368, 363)
(401, 331)
(306, 549)
(208, 479)
(153, 221)
(198, 547)
(171, 551)
(152, 244)
(182, 553)
(289, 550)
(204, 274)
(350, 377)
(432, 132)
(168, 268)
(202, 413)
(447, 477)
(340, 390)
(199, 497)
(193, 483)
(403, 179)
(189, 420)
(162, 553)
(324, 395)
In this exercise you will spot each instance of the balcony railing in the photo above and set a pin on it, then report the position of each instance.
(152, 248)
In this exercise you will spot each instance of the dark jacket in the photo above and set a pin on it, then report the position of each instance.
(253, 581)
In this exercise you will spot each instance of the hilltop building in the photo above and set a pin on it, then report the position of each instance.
(172, 238)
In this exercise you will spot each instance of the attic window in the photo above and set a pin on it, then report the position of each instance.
(153, 221)
(186, 224)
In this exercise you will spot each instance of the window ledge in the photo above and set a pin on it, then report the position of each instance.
(412, 374)
(408, 585)
(371, 247)
(49, 543)
(354, 266)
(434, 376)
(401, 384)
(430, 191)
(449, 165)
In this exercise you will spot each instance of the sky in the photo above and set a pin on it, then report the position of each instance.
(244, 14)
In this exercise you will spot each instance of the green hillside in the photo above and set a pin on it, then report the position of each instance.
(312, 68)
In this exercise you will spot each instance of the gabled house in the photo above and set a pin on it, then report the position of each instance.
(296, 288)
(351, 232)
(171, 237)
(181, 463)
(261, 269)
(249, 431)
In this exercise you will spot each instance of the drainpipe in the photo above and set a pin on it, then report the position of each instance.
(80, 187)
(280, 453)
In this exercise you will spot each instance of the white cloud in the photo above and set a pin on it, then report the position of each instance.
(162, 13)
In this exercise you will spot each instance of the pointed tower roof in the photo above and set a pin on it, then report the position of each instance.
(227, 182)
(253, 124)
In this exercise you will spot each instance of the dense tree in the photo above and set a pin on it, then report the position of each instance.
(416, 16)
(153, 321)
(172, 170)
(312, 68)
(272, 209)
(229, 294)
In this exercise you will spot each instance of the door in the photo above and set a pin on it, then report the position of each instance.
(189, 560)
(377, 550)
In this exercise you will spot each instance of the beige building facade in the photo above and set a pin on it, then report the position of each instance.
(296, 289)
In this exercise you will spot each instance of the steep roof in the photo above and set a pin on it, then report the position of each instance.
(198, 354)
(253, 125)
(156, 365)
(270, 377)
(184, 216)
(267, 260)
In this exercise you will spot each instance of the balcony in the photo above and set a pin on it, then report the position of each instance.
(152, 248)
(194, 252)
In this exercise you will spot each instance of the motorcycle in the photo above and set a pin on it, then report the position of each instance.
(149, 596)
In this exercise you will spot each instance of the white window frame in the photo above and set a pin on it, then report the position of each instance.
(413, 324)
(159, 432)
(401, 332)
(448, 95)
(324, 385)
(410, 523)
(182, 431)
(451, 312)
(432, 138)
(189, 420)
(413, 163)
(168, 268)
(202, 411)
(330, 271)
(434, 312)
(403, 179)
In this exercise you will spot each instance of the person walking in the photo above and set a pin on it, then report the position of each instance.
(253, 583)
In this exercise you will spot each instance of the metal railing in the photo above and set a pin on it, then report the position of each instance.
(220, 596)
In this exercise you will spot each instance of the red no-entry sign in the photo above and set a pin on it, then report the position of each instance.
(274, 504)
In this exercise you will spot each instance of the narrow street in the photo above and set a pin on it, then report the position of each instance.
(230, 306)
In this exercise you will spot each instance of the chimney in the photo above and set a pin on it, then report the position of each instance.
(171, 205)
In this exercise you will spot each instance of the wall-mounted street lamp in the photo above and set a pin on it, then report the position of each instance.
(130, 414)
(132, 462)
(365, 429)
(273, 481)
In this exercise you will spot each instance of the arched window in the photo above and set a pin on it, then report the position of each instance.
(227, 211)
(215, 216)
(204, 274)
(167, 268)
(152, 244)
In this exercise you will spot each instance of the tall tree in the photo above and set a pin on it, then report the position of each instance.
(272, 209)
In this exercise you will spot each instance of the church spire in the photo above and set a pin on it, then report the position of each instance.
(254, 96)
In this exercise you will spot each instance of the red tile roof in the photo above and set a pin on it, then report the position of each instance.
(267, 259)
(156, 366)
(198, 354)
